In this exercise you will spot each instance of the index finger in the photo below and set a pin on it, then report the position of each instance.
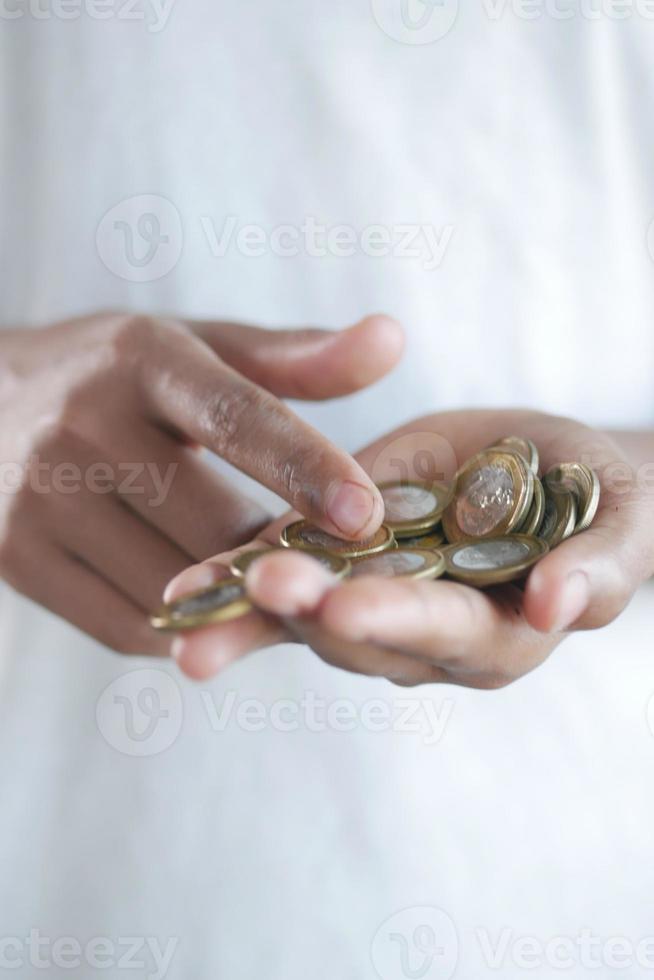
(190, 390)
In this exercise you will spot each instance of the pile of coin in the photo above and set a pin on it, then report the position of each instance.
(489, 527)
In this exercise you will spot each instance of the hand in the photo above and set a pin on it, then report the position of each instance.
(104, 496)
(414, 632)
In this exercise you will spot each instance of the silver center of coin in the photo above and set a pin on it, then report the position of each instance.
(408, 503)
(487, 555)
(319, 539)
(485, 499)
(208, 601)
(389, 564)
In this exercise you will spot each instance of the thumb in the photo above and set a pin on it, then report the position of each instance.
(310, 364)
(589, 579)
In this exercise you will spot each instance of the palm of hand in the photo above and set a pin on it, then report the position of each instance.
(415, 632)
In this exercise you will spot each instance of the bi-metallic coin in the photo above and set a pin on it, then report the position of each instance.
(560, 516)
(218, 603)
(401, 563)
(302, 534)
(525, 447)
(535, 516)
(492, 497)
(579, 479)
(493, 561)
(335, 564)
(412, 507)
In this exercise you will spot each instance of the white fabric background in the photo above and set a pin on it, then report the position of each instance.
(274, 854)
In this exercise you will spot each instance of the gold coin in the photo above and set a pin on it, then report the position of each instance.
(335, 564)
(401, 563)
(492, 496)
(425, 542)
(412, 507)
(218, 603)
(535, 516)
(493, 561)
(525, 447)
(580, 480)
(302, 534)
(559, 518)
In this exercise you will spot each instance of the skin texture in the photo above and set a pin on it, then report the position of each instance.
(94, 538)
(415, 632)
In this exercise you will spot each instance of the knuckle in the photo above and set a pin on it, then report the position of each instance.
(129, 339)
(134, 329)
(293, 470)
(228, 415)
(62, 437)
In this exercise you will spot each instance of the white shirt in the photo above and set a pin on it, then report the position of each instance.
(524, 147)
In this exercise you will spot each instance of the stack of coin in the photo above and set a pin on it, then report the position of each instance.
(489, 527)
(503, 517)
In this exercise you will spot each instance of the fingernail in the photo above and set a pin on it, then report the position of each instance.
(574, 601)
(177, 647)
(351, 508)
(190, 580)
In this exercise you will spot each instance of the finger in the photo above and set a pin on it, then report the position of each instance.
(312, 364)
(125, 551)
(589, 579)
(367, 659)
(194, 393)
(69, 589)
(288, 583)
(293, 586)
(476, 638)
(203, 653)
